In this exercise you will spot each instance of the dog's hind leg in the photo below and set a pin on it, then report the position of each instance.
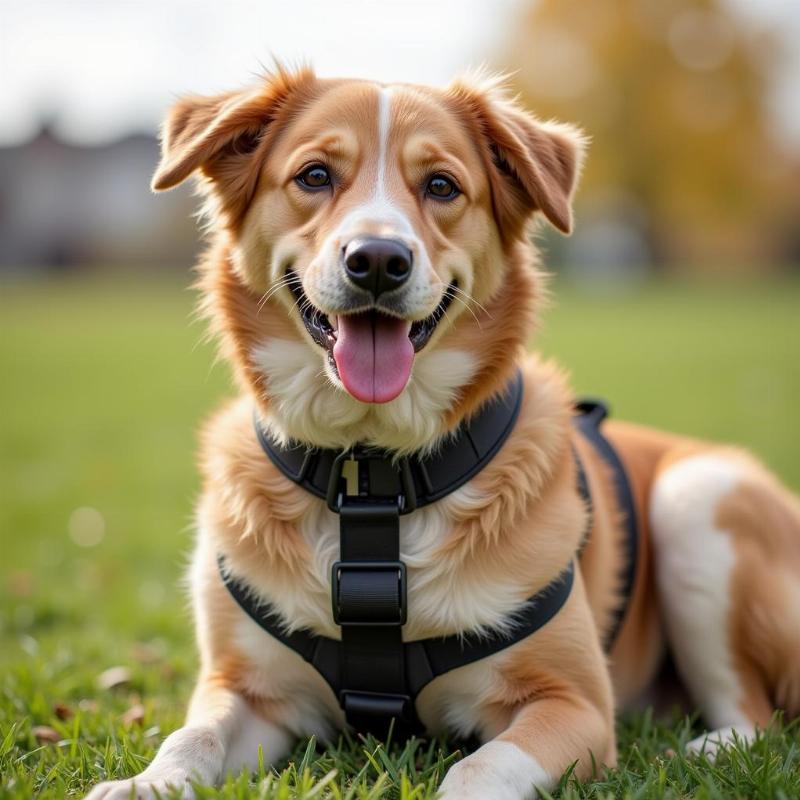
(204, 748)
(724, 579)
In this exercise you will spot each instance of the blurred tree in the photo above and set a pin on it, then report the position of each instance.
(673, 94)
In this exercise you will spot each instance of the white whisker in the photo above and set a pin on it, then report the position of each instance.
(287, 280)
(468, 308)
(465, 299)
(471, 299)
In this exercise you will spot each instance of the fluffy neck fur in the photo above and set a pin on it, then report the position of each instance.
(471, 362)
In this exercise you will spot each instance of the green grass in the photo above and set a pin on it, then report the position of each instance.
(102, 385)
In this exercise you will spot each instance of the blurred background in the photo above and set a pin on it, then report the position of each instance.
(693, 107)
(678, 296)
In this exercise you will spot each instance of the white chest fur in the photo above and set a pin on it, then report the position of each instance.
(321, 411)
(440, 601)
(437, 604)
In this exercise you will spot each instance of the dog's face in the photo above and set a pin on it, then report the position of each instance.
(378, 215)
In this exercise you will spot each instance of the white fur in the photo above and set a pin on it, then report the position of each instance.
(384, 125)
(254, 733)
(321, 411)
(452, 703)
(694, 561)
(497, 771)
(455, 703)
(274, 670)
(308, 706)
(709, 744)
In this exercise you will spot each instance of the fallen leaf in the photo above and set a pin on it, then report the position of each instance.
(20, 583)
(168, 672)
(44, 733)
(113, 677)
(145, 653)
(62, 711)
(134, 715)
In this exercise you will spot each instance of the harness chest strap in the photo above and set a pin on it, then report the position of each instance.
(422, 660)
(375, 675)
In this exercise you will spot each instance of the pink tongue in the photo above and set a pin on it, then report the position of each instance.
(373, 355)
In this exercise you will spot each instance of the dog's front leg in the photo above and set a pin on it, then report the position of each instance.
(557, 688)
(222, 732)
(545, 738)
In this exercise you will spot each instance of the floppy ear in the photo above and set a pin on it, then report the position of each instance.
(534, 165)
(219, 135)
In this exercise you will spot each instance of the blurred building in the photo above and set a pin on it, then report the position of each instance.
(63, 205)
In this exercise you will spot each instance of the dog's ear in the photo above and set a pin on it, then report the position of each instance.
(534, 166)
(219, 135)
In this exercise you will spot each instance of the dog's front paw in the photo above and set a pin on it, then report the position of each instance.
(497, 771)
(175, 783)
(710, 744)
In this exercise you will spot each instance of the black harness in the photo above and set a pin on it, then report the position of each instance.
(373, 672)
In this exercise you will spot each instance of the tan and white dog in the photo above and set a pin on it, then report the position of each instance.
(441, 185)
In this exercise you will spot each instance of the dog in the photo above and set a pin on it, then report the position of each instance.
(371, 279)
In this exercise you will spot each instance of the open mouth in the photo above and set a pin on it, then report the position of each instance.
(370, 351)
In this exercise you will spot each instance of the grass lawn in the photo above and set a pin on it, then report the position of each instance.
(102, 385)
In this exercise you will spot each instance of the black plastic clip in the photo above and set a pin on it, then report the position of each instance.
(375, 704)
(407, 497)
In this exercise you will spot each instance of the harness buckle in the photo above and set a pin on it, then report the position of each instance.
(375, 704)
(371, 593)
(406, 497)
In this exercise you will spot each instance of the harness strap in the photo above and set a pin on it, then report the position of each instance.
(418, 480)
(422, 660)
(368, 597)
(591, 414)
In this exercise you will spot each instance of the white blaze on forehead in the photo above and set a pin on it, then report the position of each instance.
(379, 208)
(376, 211)
(384, 123)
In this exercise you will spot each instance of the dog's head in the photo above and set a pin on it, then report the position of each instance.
(371, 267)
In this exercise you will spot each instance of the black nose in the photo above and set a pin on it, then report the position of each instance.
(377, 265)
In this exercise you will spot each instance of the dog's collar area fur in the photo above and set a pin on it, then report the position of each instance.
(373, 672)
(415, 480)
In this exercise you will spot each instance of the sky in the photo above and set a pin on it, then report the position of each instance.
(112, 66)
(102, 69)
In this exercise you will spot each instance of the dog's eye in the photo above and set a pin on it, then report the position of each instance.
(442, 188)
(314, 177)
